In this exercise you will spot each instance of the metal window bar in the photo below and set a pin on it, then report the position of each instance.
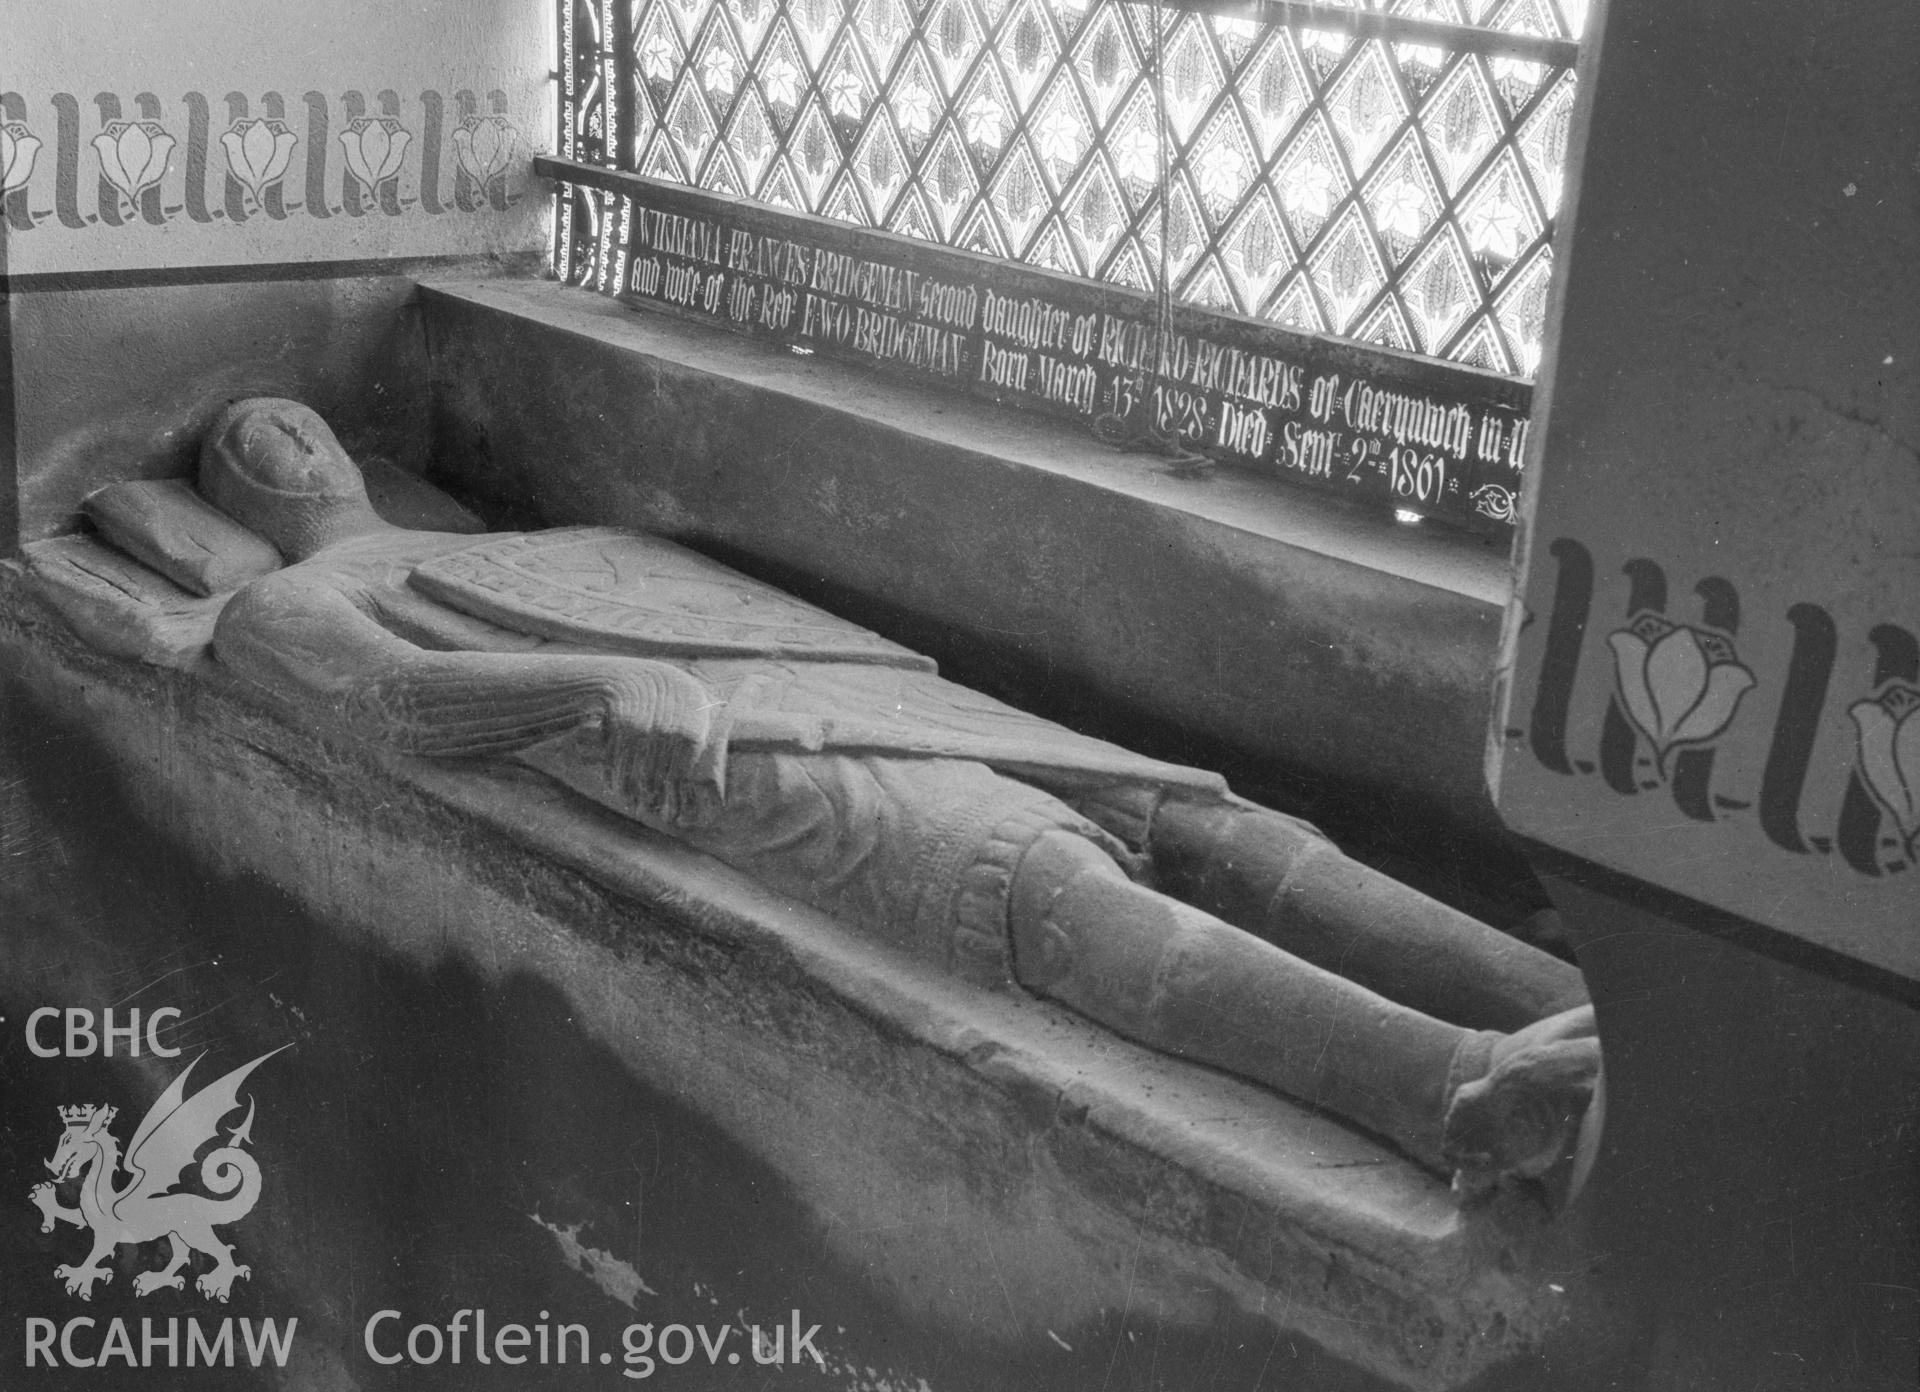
(1409, 23)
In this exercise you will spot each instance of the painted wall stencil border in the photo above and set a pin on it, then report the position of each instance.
(1770, 749)
(301, 165)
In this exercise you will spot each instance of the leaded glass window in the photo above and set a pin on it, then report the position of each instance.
(1386, 172)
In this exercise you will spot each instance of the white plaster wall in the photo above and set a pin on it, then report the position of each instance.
(412, 120)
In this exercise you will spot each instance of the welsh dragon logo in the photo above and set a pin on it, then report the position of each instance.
(148, 1207)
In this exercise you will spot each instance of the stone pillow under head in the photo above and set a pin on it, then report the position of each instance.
(168, 526)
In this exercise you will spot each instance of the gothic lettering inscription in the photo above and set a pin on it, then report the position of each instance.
(1422, 437)
(808, 295)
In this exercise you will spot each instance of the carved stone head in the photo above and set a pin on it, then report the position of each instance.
(275, 467)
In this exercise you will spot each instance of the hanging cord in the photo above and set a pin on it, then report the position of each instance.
(1137, 430)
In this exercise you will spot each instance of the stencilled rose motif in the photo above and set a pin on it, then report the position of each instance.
(19, 147)
(1889, 728)
(258, 150)
(1680, 685)
(133, 155)
(484, 147)
(375, 147)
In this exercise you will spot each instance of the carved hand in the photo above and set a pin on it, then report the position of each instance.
(658, 731)
(1522, 1117)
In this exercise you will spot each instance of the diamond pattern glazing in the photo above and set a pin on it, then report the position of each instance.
(1393, 192)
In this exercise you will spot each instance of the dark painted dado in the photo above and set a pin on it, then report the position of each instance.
(1756, 1192)
(1325, 661)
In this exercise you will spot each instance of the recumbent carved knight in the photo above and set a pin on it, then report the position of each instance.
(841, 769)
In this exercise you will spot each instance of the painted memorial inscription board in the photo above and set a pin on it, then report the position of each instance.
(1391, 430)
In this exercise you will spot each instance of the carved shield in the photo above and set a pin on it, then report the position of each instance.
(811, 683)
(640, 595)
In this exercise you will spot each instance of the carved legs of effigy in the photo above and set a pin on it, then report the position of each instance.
(1285, 882)
(1176, 978)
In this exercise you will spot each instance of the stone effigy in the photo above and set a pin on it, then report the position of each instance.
(839, 768)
